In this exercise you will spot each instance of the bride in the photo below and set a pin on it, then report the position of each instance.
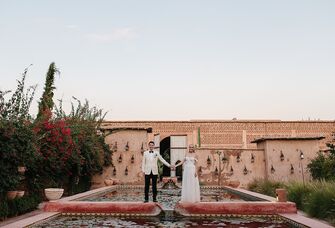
(190, 191)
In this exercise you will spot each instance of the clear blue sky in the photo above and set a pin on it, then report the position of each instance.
(178, 60)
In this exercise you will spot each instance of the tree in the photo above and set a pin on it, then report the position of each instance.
(46, 103)
(323, 165)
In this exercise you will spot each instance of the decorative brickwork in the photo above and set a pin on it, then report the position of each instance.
(230, 132)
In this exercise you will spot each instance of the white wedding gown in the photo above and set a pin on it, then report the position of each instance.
(190, 191)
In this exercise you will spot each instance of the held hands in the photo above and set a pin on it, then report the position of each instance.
(173, 167)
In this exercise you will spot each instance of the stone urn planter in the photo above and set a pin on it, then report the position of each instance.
(53, 193)
(11, 194)
(20, 194)
(109, 182)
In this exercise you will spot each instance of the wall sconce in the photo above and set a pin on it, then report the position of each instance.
(245, 171)
(142, 148)
(120, 159)
(114, 171)
(272, 169)
(126, 148)
(281, 156)
(216, 171)
(252, 158)
(209, 160)
(115, 147)
(231, 172)
(292, 169)
(301, 155)
(126, 171)
(238, 158)
(200, 171)
(132, 159)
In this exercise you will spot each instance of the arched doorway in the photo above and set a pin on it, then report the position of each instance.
(179, 171)
(165, 153)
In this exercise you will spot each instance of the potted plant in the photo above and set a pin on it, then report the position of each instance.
(11, 194)
(20, 194)
(12, 188)
(54, 192)
(21, 169)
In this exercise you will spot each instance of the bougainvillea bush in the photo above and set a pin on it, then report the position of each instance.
(17, 149)
(58, 149)
(17, 139)
(92, 151)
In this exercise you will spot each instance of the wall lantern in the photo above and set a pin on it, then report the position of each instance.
(272, 169)
(301, 155)
(120, 159)
(245, 171)
(132, 159)
(252, 158)
(281, 156)
(200, 171)
(238, 158)
(209, 160)
(114, 171)
(292, 169)
(231, 172)
(126, 171)
(115, 147)
(126, 148)
(216, 171)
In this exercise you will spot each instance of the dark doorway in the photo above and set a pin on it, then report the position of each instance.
(165, 152)
(179, 171)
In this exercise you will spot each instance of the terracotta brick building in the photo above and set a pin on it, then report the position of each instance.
(251, 148)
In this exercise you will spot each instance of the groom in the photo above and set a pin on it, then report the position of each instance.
(150, 169)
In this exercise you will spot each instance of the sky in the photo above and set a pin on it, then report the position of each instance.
(177, 60)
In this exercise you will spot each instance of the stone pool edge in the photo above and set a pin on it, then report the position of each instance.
(296, 218)
(127, 208)
(236, 208)
(43, 216)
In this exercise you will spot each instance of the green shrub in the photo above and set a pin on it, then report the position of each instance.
(316, 198)
(323, 165)
(3, 210)
(321, 200)
(18, 206)
(266, 187)
(298, 192)
(16, 135)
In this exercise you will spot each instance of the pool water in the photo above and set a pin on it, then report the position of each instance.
(162, 221)
(168, 218)
(166, 197)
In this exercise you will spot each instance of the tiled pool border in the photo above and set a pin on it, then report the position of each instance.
(297, 220)
(276, 217)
